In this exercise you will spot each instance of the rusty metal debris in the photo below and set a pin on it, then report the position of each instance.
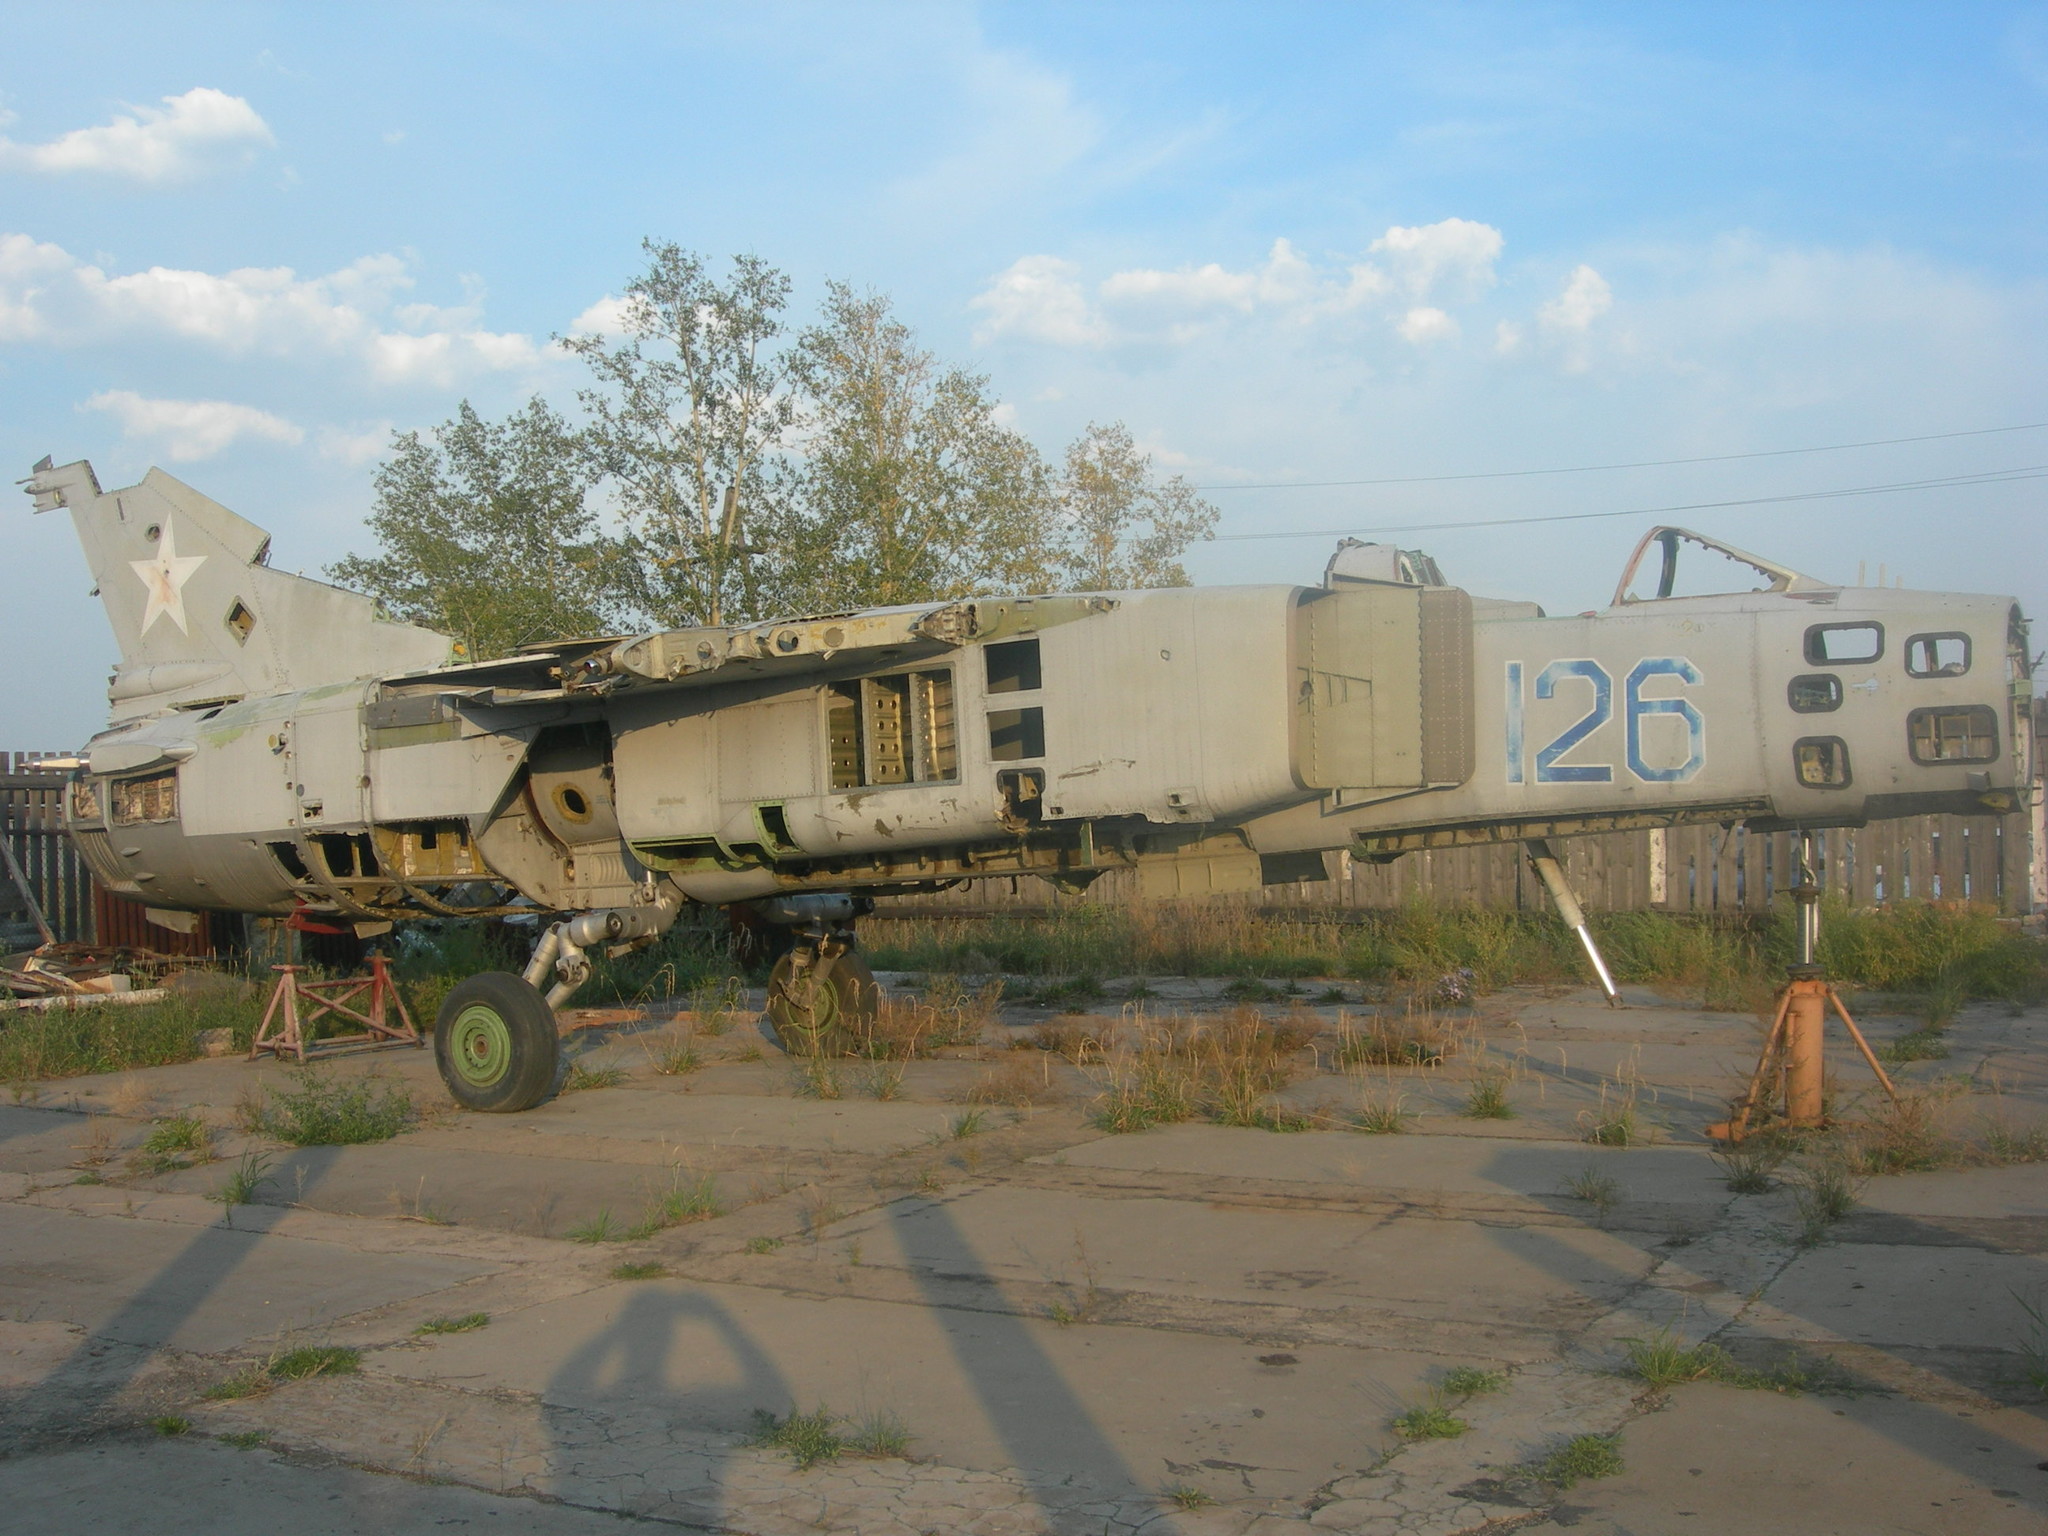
(62, 974)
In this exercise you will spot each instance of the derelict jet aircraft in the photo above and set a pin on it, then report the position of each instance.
(277, 747)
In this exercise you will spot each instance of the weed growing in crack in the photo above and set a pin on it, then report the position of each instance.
(249, 1175)
(174, 1142)
(171, 1424)
(1595, 1188)
(2033, 1342)
(763, 1244)
(317, 1360)
(581, 1078)
(679, 1059)
(1916, 1045)
(1430, 1420)
(882, 1080)
(2005, 1144)
(816, 1078)
(1662, 1360)
(648, 1270)
(1488, 1099)
(878, 1433)
(469, 1322)
(694, 1199)
(601, 1228)
(320, 1110)
(1473, 1381)
(1904, 1137)
(821, 1435)
(253, 1381)
(246, 1440)
(1581, 1459)
(969, 1122)
(1188, 1496)
(1824, 1191)
(1384, 1116)
(1747, 1168)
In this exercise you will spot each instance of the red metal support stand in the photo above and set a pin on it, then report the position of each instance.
(324, 998)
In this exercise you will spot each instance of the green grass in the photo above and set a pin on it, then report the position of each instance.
(251, 1382)
(1662, 1361)
(1188, 1496)
(324, 1110)
(469, 1322)
(1945, 952)
(1474, 1381)
(1919, 1045)
(72, 1042)
(1381, 1117)
(969, 1122)
(763, 1243)
(1747, 1167)
(246, 1440)
(643, 1271)
(317, 1360)
(1430, 1421)
(1581, 1459)
(176, 1141)
(171, 1424)
(1824, 1191)
(1597, 1189)
(1488, 1099)
(250, 1174)
(687, 1200)
(601, 1228)
(581, 1078)
(821, 1435)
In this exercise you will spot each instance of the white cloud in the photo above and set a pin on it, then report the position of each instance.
(1424, 257)
(1039, 298)
(1507, 338)
(1425, 324)
(188, 135)
(355, 447)
(49, 296)
(607, 317)
(1043, 298)
(1586, 298)
(192, 429)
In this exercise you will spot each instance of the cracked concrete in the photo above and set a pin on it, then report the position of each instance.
(1194, 1329)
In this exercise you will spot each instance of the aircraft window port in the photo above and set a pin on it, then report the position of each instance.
(240, 621)
(1960, 734)
(1841, 645)
(85, 802)
(1814, 694)
(1015, 735)
(1023, 794)
(289, 861)
(898, 729)
(154, 798)
(1822, 761)
(346, 855)
(774, 823)
(572, 802)
(1938, 655)
(1013, 667)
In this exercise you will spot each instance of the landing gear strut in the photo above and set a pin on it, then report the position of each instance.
(822, 998)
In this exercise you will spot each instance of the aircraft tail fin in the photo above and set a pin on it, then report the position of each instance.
(199, 615)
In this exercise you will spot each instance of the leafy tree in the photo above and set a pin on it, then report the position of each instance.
(909, 488)
(1118, 527)
(685, 423)
(485, 534)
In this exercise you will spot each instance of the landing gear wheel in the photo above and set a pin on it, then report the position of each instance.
(495, 1043)
(825, 1008)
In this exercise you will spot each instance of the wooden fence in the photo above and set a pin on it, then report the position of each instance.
(32, 820)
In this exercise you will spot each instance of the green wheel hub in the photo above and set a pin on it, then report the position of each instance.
(480, 1045)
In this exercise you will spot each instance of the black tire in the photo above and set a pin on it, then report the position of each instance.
(495, 1043)
(830, 1011)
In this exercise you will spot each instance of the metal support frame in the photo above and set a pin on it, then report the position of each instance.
(1550, 870)
(324, 998)
(1792, 1067)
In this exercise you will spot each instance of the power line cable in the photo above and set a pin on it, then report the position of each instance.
(1587, 469)
(1949, 482)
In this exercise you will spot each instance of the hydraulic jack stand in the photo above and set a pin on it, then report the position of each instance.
(1792, 1068)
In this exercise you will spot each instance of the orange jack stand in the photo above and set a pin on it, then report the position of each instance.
(1792, 1066)
(322, 998)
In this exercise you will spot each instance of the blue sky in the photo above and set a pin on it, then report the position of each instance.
(1284, 243)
